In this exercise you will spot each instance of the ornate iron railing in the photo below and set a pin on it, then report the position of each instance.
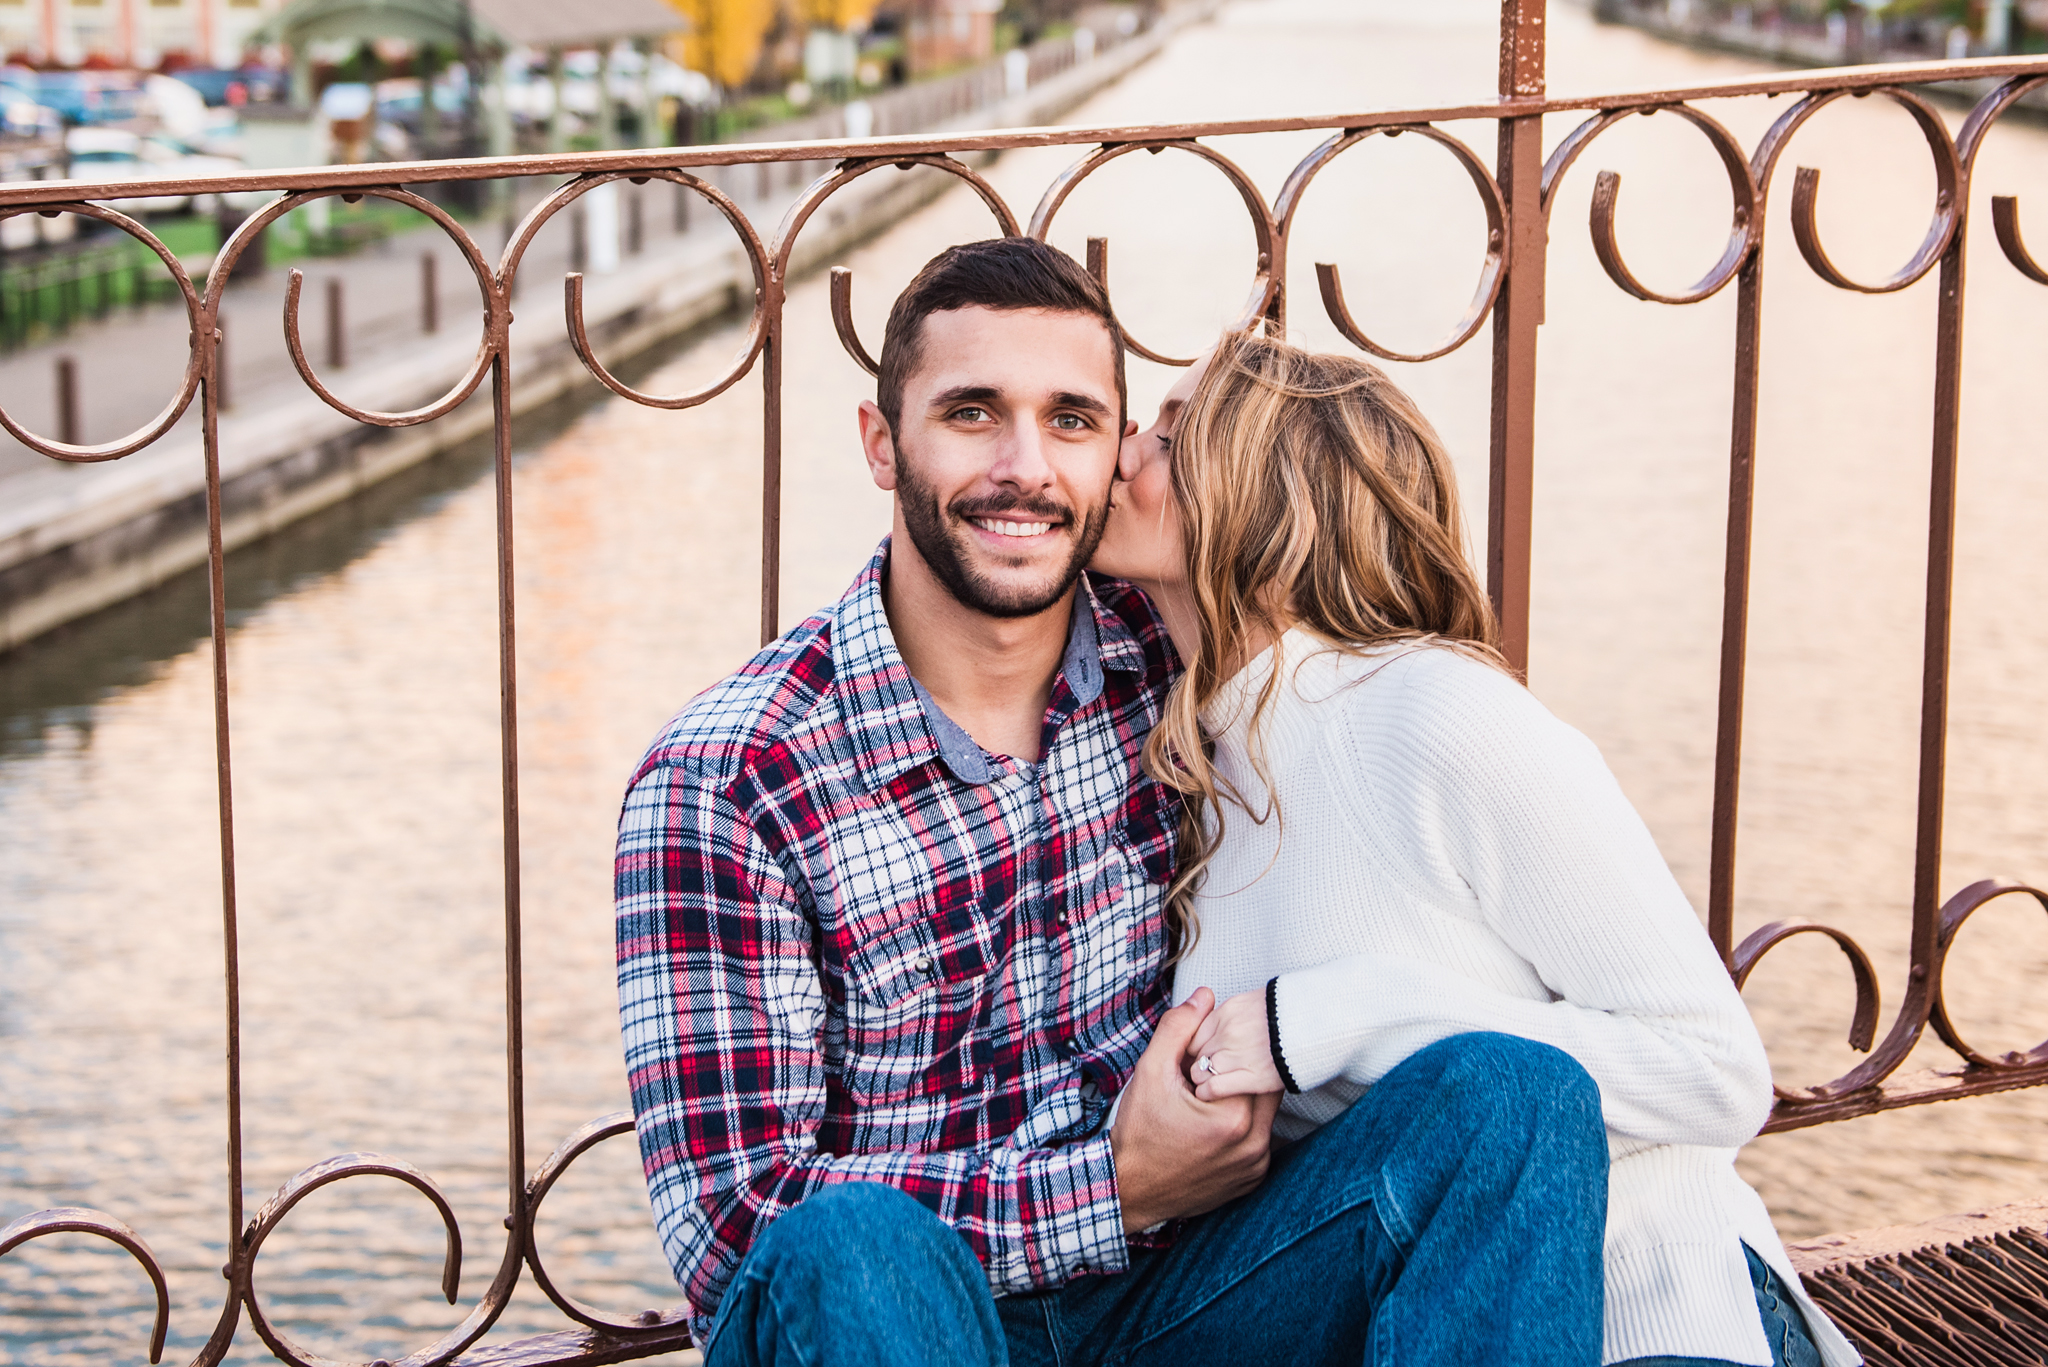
(1516, 191)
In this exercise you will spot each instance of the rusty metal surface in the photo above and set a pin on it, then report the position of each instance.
(573, 1348)
(80, 1220)
(1521, 180)
(1516, 189)
(1963, 1291)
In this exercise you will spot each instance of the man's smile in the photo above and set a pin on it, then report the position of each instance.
(1000, 527)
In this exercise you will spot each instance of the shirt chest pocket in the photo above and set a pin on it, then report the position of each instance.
(917, 985)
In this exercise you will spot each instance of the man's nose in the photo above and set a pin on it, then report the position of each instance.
(1024, 462)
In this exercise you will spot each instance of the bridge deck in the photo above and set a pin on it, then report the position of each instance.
(1960, 1291)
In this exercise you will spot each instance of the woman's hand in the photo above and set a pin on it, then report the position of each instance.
(1232, 1053)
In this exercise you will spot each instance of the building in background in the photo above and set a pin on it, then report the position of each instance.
(130, 33)
(943, 33)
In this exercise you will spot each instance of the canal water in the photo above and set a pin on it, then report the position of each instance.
(363, 649)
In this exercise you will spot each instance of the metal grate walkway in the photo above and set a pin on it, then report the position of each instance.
(1961, 1291)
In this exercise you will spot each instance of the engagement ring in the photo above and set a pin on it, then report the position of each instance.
(1205, 1065)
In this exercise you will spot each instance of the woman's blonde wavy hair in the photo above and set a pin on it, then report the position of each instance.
(1312, 493)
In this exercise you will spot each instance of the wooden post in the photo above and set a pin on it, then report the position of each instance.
(511, 227)
(427, 65)
(68, 430)
(558, 122)
(607, 107)
(337, 329)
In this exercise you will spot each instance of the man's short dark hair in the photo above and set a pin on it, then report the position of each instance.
(1001, 273)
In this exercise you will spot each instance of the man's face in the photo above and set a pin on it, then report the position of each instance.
(1005, 451)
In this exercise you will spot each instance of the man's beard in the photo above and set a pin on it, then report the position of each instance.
(941, 544)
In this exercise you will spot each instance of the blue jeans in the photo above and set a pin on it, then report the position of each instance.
(1784, 1325)
(1453, 1215)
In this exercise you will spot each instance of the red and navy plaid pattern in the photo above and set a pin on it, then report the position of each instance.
(839, 960)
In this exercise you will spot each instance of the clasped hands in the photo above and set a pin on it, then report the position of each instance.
(1194, 1128)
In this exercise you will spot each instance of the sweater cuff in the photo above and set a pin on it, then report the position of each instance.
(1319, 1017)
(1273, 1036)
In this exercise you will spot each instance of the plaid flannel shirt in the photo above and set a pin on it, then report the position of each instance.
(852, 946)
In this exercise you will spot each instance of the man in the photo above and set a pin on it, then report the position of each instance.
(891, 946)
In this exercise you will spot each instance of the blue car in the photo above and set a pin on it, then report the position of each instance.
(89, 97)
(219, 86)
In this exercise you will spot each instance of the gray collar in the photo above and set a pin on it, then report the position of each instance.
(1081, 667)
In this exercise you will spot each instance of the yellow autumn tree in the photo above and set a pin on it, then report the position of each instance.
(724, 37)
(835, 14)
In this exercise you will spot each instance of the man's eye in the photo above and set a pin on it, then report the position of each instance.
(1070, 422)
(971, 414)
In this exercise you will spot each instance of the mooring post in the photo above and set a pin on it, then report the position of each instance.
(337, 331)
(1516, 313)
(511, 230)
(67, 401)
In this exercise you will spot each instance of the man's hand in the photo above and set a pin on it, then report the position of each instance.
(1232, 1052)
(1176, 1154)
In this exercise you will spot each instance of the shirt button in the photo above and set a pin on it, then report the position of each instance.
(1060, 916)
(923, 965)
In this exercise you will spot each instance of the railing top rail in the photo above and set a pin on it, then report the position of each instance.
(28, 194)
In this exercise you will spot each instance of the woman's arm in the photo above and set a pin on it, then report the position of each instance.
(1462, 778)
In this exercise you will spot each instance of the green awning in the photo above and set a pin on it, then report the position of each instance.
(487, 23)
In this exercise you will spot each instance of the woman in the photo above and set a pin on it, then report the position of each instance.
(1392, 842)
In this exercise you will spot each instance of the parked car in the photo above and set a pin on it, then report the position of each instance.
(399, 100)
(22, 112)
(243, 85)
(90, 97)
(531, 97)
(118, 154)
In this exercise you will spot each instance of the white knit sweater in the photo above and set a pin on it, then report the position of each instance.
(1450, 857)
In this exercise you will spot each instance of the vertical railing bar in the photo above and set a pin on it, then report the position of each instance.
(1516, 314)
(206, 338)
(771, 461)
(1735, 607)
(508, 715)
(1941, 536)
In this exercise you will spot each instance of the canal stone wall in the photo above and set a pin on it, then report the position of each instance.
(68, 552)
